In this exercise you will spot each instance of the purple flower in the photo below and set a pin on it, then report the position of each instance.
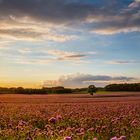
(122, 138)
(90, 129)
(28, 138)
(52, 120)
(10, 125)
(114, 138)
(82, 130)
(80, 134)
(61, 132)
(59, 117)
(58, 127)
(69, 128)
(67, 138)
(48, 126)
(77, 130)
(95, 139)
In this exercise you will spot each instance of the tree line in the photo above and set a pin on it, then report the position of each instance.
(123, 87)
(21, 90)
(61, 90)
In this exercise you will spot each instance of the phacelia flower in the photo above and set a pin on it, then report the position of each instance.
(90, 129)
(28, 138)
(122, 138)
(67, 138)
(52, 120)
(114, 138)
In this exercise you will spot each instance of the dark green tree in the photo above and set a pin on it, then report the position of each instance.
(91, 89)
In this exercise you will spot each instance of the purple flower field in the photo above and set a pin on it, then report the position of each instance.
(69, 117)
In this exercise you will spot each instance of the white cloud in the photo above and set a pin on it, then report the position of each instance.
(4, 44)
(134, 4)
(65, 55)
(71, 56)
(32, 61)
(137, 0)
(29, 30)
(122, 62)
(25, 51)
(113, 30)
(83, 80)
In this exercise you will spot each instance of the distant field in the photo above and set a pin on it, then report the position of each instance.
(78, 117)
(68, 98)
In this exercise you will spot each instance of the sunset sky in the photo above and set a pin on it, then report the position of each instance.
(72, 43)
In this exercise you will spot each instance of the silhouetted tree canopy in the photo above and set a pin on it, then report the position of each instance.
(91, 89)
(123, 87)
(61, 90)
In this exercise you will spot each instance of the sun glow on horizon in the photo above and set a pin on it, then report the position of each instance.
(54, 40)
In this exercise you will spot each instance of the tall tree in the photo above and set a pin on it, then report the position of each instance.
(91, 89)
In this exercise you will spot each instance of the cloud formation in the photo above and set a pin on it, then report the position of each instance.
(26, 28)
(83, 80)
(31, 19)
(122, 62)
(43, 56)
(65, 55)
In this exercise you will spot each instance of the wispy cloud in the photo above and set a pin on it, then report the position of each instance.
(30, 30)
(32, 61)
(4, 44)
(65, 55)
(122, 62)
(25, 51)
(43, 56)
(135, 4)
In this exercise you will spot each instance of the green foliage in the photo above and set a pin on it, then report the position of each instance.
(61, 90)
(21, 90)
(80, 90)
(91, 89)
(57, 90)
(123, 87)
